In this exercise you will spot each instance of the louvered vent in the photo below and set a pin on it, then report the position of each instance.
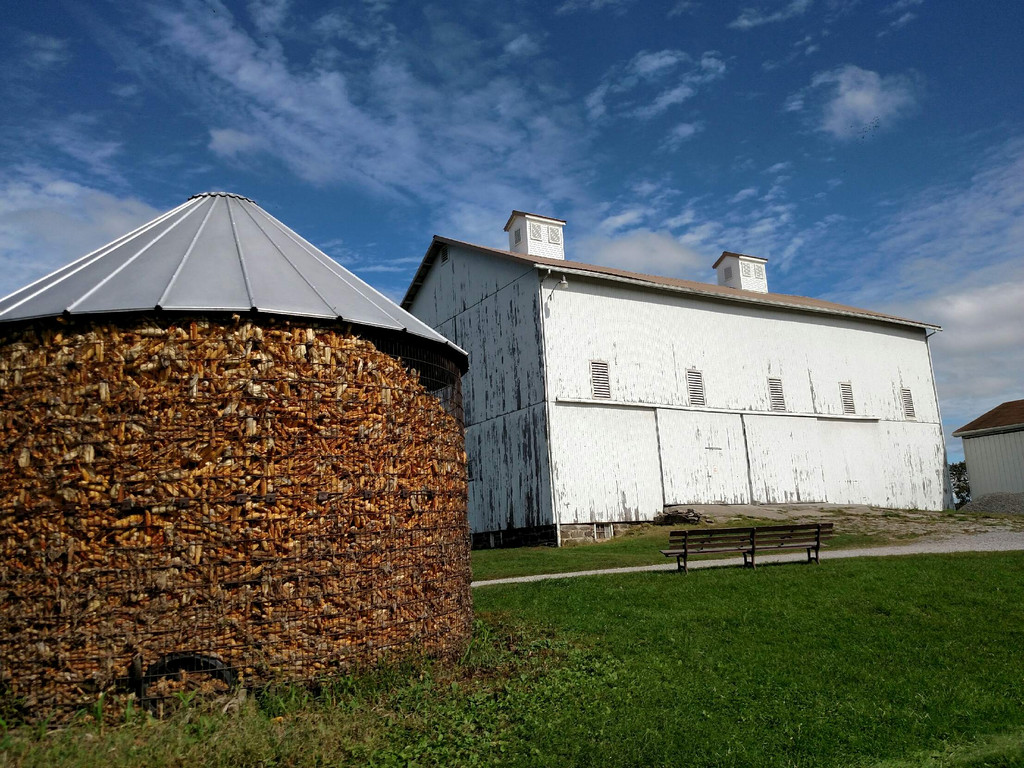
(846, 393)
(444, 253)
(695, 387)
(776, 397)
(908, 404)
(599, 383)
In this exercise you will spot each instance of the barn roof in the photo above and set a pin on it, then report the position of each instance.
(656, 282)
(1003, 417)
(217, 252)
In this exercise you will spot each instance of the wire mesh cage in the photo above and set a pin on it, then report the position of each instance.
(214, 502)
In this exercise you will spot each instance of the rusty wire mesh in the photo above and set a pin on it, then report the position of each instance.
(222, 502)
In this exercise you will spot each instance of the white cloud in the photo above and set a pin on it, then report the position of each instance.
(683, 7)
(652, 83)
(434, 123)
(47, 221)
(743, 194)
(268, 15)
(901, 6)
(624, 220)
(779, 167)
(44, 51)
(227, 142)
(681, 133)
(794, 102)
(647, 64)
(647, 251)
(952, 256)
(75, 137)
(664, 100)
(126, 91)
(571, 6)
(854, 101)
(898, 23)
(750, 18)
(524, 45)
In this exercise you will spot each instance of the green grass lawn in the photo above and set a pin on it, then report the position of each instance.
(887, 662)
(638, 547)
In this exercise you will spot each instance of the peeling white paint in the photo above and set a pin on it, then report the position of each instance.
(544, 451)
(493, 306)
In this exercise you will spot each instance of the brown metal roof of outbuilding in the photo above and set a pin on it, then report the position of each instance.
(708, 290)
(1006, 416)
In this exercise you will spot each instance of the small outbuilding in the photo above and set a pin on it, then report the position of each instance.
(225, 460)
(994, 450)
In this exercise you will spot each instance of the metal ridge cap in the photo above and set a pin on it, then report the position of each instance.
(223, 194)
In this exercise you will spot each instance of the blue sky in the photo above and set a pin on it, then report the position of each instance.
(872, 151)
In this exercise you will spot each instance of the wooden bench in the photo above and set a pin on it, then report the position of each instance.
(750, 541)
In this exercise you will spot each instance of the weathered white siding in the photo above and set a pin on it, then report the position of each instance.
(703, 457)
(649, 340)
(490, 308)
(735, 448)
(995, 463)
(608, 469)
(508, 471)
(786, 460)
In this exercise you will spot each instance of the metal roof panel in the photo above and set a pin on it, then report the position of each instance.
(216, 252)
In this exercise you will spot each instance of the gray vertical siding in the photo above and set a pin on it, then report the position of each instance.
(995, 463)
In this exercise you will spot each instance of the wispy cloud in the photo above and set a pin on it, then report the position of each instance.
(76, 137)
(683, 7)
(854, 101)
(571, 6)
(743, 194)
(901, 10)
(46, 221)
(268, 15)
(644, 250)
(524, 45)
(653, 82)
(430, 123)
(43, 52)
(681, 133)
(951, 255)
(750, 18)
(227, 142)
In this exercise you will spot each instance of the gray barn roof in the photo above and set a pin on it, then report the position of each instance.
(218, 252)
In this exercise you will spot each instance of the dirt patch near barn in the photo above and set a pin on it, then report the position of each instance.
(855, 521)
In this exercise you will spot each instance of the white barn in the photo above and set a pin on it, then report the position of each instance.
(994, 450)
(597, 396)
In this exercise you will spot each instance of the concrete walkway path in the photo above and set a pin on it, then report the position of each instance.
(993, 541)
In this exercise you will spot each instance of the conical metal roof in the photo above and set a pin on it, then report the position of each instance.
(218, 252)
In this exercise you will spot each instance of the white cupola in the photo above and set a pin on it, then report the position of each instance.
(737, 270)
(535, 235)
